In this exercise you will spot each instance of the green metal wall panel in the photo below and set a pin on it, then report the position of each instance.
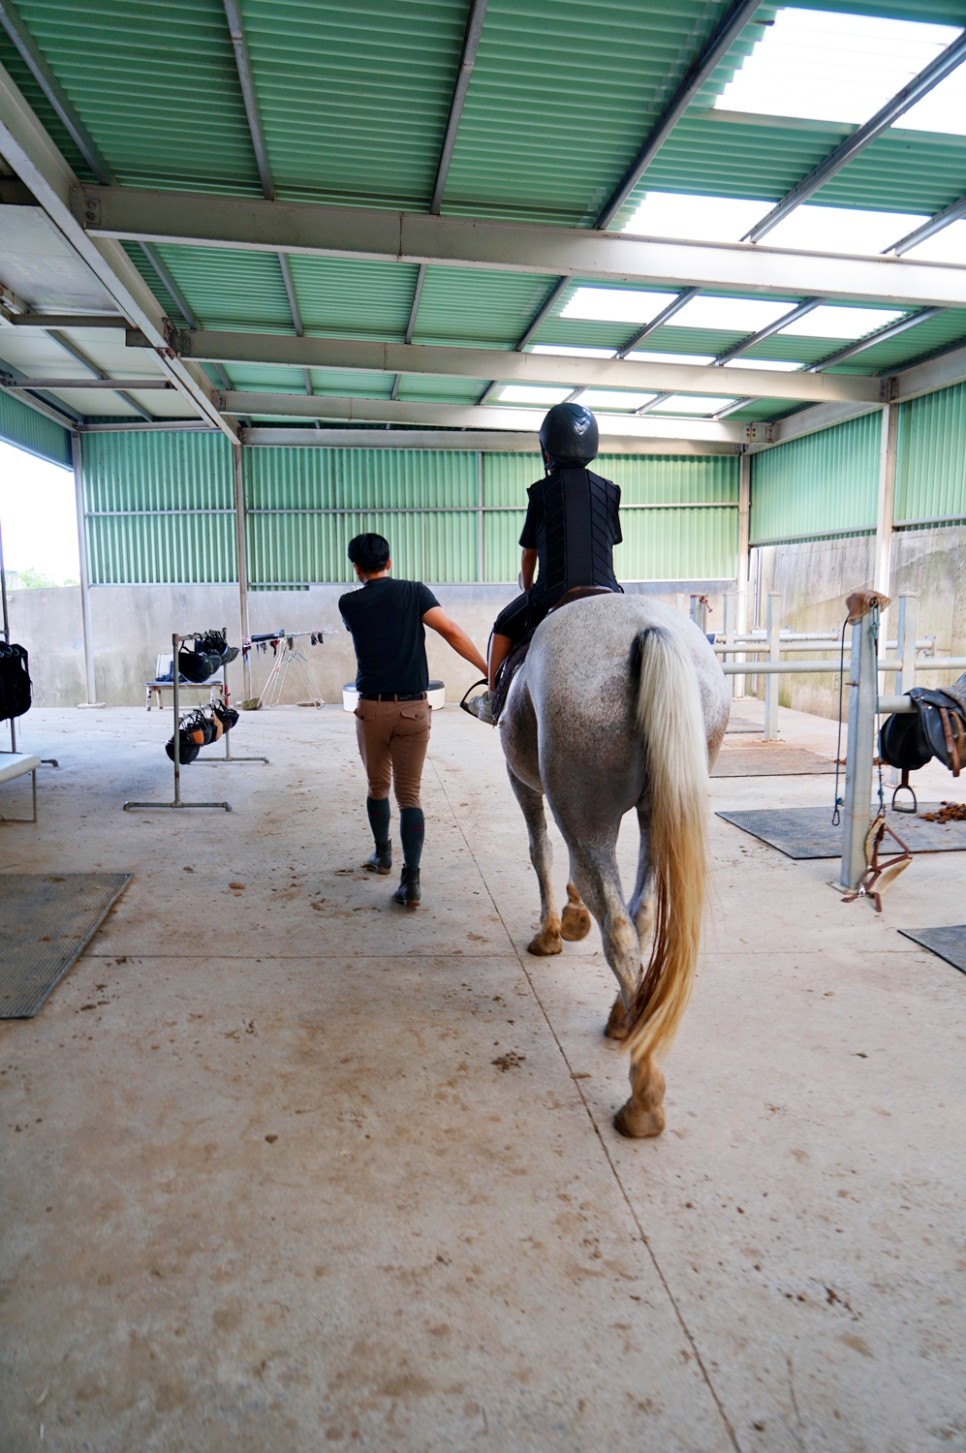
(678, 544)
(931, 458)
(182, 546)
(25, 427)
(159, 507)
(304, 547)
(477, 307)
(824, 484)
(647, 479)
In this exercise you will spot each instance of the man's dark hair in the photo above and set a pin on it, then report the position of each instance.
(369, 552)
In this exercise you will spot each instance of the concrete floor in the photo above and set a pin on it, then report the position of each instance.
(285, 1168)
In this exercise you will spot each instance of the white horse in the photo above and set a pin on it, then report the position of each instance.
(621, 704)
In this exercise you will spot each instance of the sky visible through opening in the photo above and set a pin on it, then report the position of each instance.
(38, 517)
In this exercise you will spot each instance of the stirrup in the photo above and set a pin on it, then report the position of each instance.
(467, 705)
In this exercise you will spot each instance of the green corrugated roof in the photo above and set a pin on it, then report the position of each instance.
(354, 102)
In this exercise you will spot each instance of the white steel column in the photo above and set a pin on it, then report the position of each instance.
(241, 557)
(859, 755)
(85, 584)
(744, 557)
(773, 623)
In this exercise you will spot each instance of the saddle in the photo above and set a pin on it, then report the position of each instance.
(517, 656)
(935, 728)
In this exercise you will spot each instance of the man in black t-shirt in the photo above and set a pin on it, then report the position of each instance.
(570, 531)
(386, 619)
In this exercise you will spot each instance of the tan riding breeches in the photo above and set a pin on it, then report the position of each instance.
(393, 738)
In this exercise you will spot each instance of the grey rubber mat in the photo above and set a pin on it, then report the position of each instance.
(807, 832)
(46, 920)
(767, 759)
(948, 943)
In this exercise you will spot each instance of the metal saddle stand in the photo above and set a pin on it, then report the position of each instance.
(936, 728)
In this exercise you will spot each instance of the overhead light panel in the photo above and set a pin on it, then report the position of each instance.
(826, 66)
(615, 305)
(702, 404)
(697, 218)
(613, 400)
(729, 315)
(830, 321)
(527, 393)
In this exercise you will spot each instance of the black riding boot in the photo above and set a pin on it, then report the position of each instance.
(407, 895)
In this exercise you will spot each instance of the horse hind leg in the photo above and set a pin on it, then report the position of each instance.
(575, 920)
(597, 880)
(641, 909)
(549, 940)
(642, 1115)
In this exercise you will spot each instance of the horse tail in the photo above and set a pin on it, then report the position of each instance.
(671, 721)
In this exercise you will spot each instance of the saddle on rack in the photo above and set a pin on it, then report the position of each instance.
(935, 728)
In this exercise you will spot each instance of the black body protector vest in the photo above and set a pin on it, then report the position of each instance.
(576, 532)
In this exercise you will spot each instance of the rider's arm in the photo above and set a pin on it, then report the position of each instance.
(528, 567)
(454, 636)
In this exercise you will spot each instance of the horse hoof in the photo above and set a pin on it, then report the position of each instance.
(616, 1026)
(574, 923)
(545, 945)
(637, 1124)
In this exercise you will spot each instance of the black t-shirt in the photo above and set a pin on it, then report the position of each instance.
(572, 523)
(385, 618)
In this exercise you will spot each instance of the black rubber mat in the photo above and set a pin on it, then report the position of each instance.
(46, 921)
(807, 832)
(948, 943)
(768, 759)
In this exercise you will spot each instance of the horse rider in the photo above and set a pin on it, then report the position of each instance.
(570, 532)
(386, 619)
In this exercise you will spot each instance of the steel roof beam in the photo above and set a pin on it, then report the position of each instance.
(935, 224)
(278, 350)
(70, 383)
(246, 80)
(58, 99)
(471, 42)
(464, 416)
(249, 224)
(485, 440)
(31, 153)
(894, 330)
(732, 24)
(52, 408)
(943, 66)
(66, 320)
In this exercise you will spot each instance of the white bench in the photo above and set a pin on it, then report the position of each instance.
(15, 764)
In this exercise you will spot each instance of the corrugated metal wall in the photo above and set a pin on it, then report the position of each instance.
(25, 427)
(159, 507)
(824, 484)
(931, 458)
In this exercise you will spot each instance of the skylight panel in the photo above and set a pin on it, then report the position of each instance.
(771, 365)
(616, 305)
(568, 352)
(703, 404)
(697, 218)
(529, 393)
(842, 229)
(670, 358)
(830, 321)
(948, 245)
(830, 67)
(613, 400)
(730, 315)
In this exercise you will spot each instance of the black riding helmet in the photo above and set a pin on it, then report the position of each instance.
(568, 436)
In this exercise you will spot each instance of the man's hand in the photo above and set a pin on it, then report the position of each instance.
(454, 636)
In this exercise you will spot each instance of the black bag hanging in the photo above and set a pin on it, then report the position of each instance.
(14, 681)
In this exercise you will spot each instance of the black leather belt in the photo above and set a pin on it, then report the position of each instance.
(392, 696)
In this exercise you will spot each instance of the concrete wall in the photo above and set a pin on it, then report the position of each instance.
(133, 624)
(814, 579)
